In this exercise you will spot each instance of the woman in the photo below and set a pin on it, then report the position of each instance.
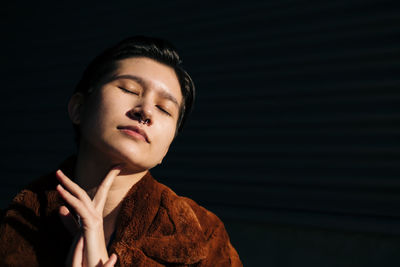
(103, 208)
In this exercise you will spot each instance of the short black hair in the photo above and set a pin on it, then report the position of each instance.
(157, 49)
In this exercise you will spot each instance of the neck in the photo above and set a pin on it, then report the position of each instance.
(90, 170)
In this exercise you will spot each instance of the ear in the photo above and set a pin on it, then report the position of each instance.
(75, 105)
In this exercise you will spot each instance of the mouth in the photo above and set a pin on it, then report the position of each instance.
(135, 132)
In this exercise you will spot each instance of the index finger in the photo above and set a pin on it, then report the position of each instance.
(101, 195)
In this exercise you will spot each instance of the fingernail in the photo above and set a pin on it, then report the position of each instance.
(118, 167)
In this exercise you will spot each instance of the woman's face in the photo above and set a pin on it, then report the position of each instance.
(132, 117)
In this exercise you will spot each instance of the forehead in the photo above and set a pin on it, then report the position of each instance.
(155, 75)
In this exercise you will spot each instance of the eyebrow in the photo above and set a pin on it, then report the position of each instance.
(162, 92)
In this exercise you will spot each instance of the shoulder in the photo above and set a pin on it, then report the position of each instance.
(21, 224)
(187, 206)
(205, 232)
(41, 191)
(30, 226)
(29, 198)
(35, 200)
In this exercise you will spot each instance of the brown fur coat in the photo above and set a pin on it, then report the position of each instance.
(155, 227)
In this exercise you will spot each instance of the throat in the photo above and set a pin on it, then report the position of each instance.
(109, 224)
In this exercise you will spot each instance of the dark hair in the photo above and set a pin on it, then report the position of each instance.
(139, 46)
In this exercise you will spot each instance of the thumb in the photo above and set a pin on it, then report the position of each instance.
(101, 194)
(111, 261)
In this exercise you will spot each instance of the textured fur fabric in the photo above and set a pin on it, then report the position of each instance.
(155, 227)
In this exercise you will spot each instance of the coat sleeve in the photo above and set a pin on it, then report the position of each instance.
(19, 231)
(220, 251)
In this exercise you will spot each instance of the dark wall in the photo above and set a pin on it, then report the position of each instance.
(294, 140)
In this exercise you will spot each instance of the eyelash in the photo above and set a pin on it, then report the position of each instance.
(133, 93)
(128, 91)
(163, 110)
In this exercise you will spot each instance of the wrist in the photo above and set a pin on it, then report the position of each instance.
(95, 248)
(93, 228)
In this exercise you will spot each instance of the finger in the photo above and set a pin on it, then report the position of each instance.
(72, 187)
(101, 195)
(111, 261)
(68, 220)
(74, 202)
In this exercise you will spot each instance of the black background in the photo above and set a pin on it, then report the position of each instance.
(294, 140)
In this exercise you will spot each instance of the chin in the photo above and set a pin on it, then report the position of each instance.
(132, 157)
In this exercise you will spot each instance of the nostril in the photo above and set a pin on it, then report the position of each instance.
(134, 115)
(140, 115)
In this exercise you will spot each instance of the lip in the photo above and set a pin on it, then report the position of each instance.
(134, 131)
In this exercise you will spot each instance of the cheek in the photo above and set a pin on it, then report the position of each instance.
(96, 121)
(166, 138)
(93, 117)
(104, 111)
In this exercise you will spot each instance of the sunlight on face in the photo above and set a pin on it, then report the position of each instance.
(110, 124)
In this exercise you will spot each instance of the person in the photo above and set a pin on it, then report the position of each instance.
(102, 207)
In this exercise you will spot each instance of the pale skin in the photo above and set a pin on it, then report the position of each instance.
(89, 248)
(141, 87)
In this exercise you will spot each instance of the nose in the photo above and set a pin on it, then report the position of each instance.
(142, 113)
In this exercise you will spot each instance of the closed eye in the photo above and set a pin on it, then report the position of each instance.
(128, 91)
(163, 110)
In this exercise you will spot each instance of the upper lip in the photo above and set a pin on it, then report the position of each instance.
(136, 129)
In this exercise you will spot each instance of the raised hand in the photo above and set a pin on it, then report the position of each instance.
(89, 248)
